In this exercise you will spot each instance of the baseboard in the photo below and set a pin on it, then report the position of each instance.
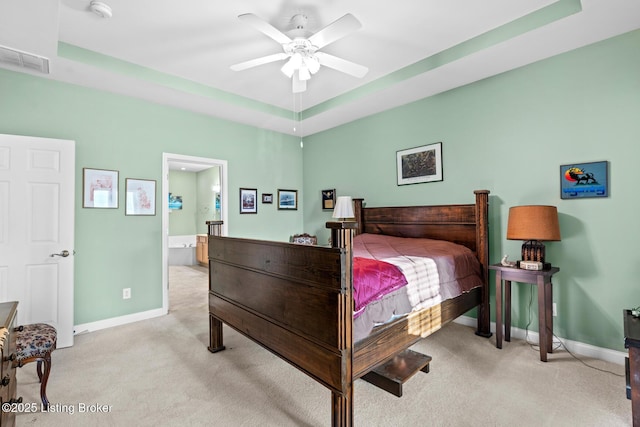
(575, 347)
(117, 321)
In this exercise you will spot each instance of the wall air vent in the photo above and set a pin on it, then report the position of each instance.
(23, 59)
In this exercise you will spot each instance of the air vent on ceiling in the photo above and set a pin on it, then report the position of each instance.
(24, 59)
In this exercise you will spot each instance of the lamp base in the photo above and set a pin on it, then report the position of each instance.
(533, 250)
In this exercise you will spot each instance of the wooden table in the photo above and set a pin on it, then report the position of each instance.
(542, 278)
(632, 342)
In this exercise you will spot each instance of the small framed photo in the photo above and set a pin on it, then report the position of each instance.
(99, 188)
(267, 198)
(328, 199)
(141, 197)
(288, 200)
(584, 180)
(419, 164)
(248, 200)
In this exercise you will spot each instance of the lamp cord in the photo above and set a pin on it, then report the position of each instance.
(559, 343)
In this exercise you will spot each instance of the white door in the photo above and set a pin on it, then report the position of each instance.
(37, 187)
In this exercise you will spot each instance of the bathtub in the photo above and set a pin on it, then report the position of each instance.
(182, 250)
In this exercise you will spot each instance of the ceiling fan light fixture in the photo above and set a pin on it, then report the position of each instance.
(303, 73)
(292, 65)
(300, 48)
(288, 69)
(312, 63)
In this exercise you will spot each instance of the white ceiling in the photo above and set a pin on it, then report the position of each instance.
(179, 52)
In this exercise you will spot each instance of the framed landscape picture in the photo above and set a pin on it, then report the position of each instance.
(419, 164)
(288, 200)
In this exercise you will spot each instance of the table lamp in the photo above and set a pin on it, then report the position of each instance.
(533, 224)
(343, 209)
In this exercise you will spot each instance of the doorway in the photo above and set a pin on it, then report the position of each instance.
(178, 161)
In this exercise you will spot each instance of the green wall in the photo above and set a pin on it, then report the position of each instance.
(183, 221)
(207, 184)
(198, 201)
(510, 134)
(114, 251)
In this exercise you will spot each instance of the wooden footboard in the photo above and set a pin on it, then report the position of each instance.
(296, 300)
(293, 300)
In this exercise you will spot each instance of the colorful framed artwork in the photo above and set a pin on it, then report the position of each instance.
(288, 200)
(328, 199)
(175, 202)
(99, 188)
(584, 180)
(419, 164)
(248, 200)
(140, 197)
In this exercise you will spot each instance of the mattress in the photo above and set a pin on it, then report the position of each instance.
(434, 271)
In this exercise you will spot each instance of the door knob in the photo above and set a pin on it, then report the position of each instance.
(62, 254)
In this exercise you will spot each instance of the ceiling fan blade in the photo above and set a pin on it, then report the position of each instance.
(342, 65)
(298, 85)
(259, 61)
(336, 30)
(264, 27)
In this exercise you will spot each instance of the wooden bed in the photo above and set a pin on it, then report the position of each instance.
(296, 301)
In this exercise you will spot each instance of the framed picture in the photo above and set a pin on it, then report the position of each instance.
(288, 200)
(141, 197)
(328, 199)
(419, 164)
(267, 198)
(583, 180)
(175, 202)
(248, 200)
(99, 188)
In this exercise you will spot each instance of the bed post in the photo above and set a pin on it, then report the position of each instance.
(215, 325)
(342, 402)
(358, 212)
(482, 248)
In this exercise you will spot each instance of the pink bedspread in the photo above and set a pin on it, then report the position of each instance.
(372, 279)
(458, 268)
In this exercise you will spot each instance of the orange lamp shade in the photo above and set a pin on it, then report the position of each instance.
(533, 222)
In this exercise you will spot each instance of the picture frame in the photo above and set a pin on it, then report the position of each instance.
(419, 164)
(99, 188)
(175, 202)
(248, 201)
(328, 199)
(584, 180)
(140, 197)
(287, 200)
(267, 198)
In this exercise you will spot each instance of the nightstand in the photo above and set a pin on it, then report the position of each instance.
(632, 362)
(542, 278)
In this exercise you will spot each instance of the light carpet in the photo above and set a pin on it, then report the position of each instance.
(158, 372)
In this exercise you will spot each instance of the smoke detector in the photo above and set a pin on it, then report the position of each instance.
(101, 9)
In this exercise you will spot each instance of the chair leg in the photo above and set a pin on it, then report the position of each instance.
(39, 370)
(44, 377)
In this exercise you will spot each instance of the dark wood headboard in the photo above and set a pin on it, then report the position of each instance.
(456, 223)
(466, 224)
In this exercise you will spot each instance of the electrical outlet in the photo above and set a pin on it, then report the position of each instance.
(555, 310)
(126, 294)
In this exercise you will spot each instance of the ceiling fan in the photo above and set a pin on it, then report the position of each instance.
(302, 49)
